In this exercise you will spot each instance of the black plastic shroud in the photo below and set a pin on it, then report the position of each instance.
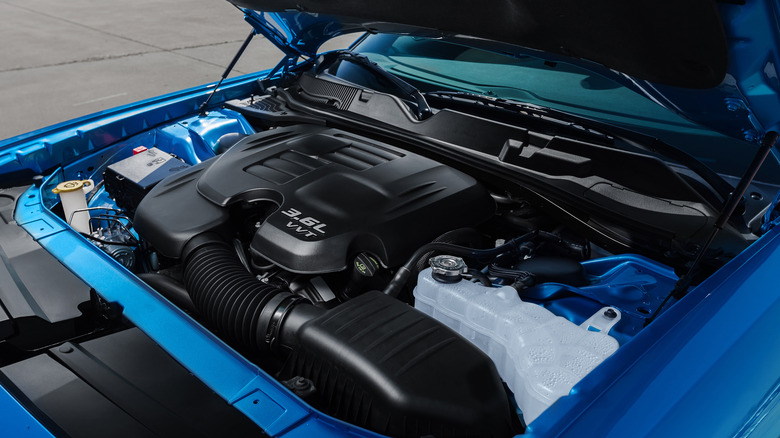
(338, 194)
(381, 364)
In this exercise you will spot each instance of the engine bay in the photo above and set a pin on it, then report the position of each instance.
(393, 287)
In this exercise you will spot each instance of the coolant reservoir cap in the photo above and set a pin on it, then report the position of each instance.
(447, 269)
(72, 186)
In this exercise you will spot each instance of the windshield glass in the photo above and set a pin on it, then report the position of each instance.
(434, 65)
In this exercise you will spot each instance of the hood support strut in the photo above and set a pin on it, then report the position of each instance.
(259, 26)
(277, 38)
(229, 68)
(681, 288)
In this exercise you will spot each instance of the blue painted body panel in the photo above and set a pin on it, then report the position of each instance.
(17, 421)
(634, 284)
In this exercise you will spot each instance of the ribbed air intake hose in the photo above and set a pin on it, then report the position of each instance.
(371, 358)
(230, 299)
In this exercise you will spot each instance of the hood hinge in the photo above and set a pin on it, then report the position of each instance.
(772, 215)
(260, 23)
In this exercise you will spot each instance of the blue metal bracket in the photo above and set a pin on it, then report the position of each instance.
(772, 215)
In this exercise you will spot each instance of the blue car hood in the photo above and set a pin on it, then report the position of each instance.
(712, 62)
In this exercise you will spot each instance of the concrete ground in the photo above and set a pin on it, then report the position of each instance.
(64, 59)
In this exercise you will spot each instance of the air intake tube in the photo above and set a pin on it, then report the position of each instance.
(376, 362)
(234, 303)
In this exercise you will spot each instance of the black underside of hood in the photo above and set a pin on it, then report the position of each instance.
(672, 42)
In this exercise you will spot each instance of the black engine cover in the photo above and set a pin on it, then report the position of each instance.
(338, 194)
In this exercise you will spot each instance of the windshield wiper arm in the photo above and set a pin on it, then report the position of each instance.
(635, 139)
(423, 109)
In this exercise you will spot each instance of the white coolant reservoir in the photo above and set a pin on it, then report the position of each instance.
(539, 355)
(74, 203)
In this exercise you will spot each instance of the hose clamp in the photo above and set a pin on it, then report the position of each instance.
(277, 318)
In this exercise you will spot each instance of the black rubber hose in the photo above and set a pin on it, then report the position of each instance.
(404, 272)
(482, 278)
(231, 299)
(170, 289)
(468, 237)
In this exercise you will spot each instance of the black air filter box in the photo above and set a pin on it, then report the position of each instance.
(381, 364)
